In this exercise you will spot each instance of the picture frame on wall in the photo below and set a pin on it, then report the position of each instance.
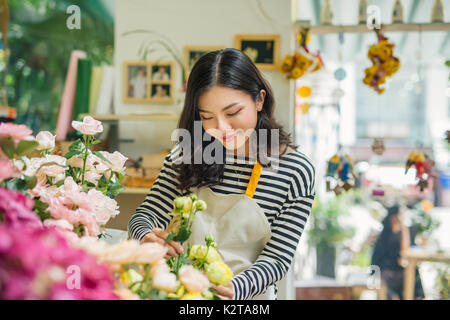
(149, 81)
(262, 49)
(191, 54)
(162, 86)
(136, 81)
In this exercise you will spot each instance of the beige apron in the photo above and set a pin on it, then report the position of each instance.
(238, 224)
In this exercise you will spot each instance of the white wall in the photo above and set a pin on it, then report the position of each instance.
(193, 22)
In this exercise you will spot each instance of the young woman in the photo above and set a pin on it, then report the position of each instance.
(259, 197)
(394, 238)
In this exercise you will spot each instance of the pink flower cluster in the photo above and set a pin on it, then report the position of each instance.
(16, 210)
(67, 203)
(39, 263)
(16, 132)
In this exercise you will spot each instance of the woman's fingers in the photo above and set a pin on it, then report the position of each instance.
(151, 237)
(177, 246)
(226, 291)
(174, 244)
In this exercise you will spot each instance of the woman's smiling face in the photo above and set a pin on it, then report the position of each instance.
(229, 115)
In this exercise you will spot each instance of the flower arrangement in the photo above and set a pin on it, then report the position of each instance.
(424, 168)
(75, 192)
(422, 222)
(301, 62)
(52, 213)
(38, 262)
(340, 172)
(384, 64)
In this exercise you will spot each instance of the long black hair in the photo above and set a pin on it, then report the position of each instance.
(233, 69)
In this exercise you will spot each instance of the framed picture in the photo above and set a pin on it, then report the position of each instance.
(263, 49)
(191, 55)
(162, 81)
(136, 82)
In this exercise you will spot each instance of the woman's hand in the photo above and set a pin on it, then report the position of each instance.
(159, 235)
(225, 292)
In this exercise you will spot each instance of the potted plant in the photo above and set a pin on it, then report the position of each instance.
(422, 223)
(327, 232)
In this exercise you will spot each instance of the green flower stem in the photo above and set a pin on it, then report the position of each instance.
(86, 141)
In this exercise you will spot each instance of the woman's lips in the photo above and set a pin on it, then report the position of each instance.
(228, 138)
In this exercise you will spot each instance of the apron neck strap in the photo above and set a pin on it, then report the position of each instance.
(252, 184)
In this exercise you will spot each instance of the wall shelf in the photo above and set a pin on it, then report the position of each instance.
(128, 190)
(361, 28)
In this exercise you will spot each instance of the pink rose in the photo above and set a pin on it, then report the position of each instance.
(46, 140)
(52, 170)
(105, 207)
(150, 252)
(92, 176)
(76, 162)
(52, 158)
(7, 170)
(117, 160)
(89, 126)
(192, 279)
(17, 132)
(165, 281)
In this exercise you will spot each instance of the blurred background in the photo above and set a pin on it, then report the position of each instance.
(382, 159)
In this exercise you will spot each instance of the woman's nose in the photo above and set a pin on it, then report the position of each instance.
(223, 125)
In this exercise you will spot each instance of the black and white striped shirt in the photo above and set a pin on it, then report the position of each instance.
(285, 195)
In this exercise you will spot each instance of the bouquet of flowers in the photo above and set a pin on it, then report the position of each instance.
(74, 193)
(141, 272)
(301, 62)
(340, 172)
(384, 63)
(37, 262)
(424, 168)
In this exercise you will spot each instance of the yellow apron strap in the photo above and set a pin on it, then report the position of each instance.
(252, 184)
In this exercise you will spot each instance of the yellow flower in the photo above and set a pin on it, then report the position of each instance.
(199, 252)
(287, 62)
(179, 203)
(426, 205)
(180, 292)
(130, 277)
(192, 296)
(187, 204)
(296, 73)
(200, 205)
(219, 273)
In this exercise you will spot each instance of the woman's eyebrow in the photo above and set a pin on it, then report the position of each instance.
(227, 107)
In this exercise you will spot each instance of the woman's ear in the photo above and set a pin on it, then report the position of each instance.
(260, 101)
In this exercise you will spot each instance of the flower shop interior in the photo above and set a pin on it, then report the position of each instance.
(362, 87)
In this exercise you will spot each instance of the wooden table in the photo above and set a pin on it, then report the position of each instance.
(414, 256)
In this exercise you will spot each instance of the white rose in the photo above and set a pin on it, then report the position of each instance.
(46, 140)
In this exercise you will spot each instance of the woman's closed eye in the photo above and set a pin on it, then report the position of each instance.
(229, 115)
(234, 113)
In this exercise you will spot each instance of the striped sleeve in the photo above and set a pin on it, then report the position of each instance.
(278, 254)
(153, 212)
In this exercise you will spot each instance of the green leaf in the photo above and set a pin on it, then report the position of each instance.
(183, 234)
(40, 209)
(31, 181)
(96, 142)
(17, 184)
(76, 148)
(98, 154)
(447, 63)
(59, 183)
(25, 147)
(115, 188)
(170, 237)
(7, 145)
